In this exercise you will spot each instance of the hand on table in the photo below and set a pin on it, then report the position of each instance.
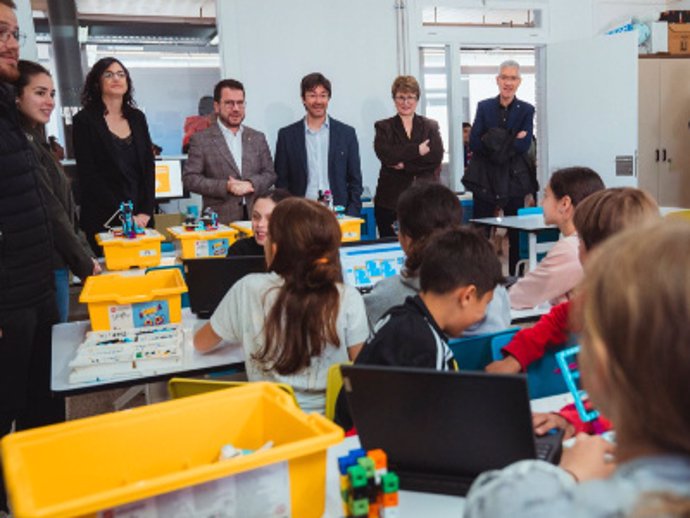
(508, 365)
(589, 458)
(543, 422)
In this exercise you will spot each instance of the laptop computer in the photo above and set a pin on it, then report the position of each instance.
(208, 280)
(365, 263)
(441, 430)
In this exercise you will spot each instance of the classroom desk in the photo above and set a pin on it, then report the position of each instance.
(413, 504)
(532, 224)
(67, 337)
(665, 211)
(529, 314)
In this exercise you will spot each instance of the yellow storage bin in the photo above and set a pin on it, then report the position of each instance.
(81, 467)
(206, 243)
(351, 228)
(126, 301)
(122, 253)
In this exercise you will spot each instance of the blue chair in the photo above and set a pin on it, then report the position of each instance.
(544, 376)
(473, 353)
(184, 299)
(368, 228)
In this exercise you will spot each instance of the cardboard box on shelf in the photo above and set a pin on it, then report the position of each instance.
(679, 38)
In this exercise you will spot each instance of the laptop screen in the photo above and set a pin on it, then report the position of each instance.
(208, 280)
(441, 423)
(364, 264)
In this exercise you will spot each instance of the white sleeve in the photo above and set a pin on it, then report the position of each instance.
(356, 323)
(226, 319)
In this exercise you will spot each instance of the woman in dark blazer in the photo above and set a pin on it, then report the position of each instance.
(113, 150)
(409, 147)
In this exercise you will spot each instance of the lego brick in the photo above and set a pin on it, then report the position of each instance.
(390, 483)
(379, 457)
(390, 499)
(358, 476)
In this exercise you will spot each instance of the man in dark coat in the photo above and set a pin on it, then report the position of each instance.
(500, 173)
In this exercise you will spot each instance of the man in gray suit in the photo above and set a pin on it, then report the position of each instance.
(229, 163)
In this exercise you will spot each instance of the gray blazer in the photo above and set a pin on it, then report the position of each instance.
(210, 163)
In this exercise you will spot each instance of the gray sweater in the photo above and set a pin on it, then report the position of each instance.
(536, 489)
(393, 291)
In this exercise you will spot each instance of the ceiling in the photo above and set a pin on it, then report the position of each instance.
(138, 22)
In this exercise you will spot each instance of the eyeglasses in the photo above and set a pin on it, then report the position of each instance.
(6, 32)
(406, 98)
(110, 75)
(396, 227)
(312, 96)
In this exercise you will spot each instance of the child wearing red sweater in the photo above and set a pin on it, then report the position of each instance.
(597, 217)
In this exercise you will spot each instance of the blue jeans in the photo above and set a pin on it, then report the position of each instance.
(62, 293)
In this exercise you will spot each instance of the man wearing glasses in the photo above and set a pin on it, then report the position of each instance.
(229, 162)
(500, 173)
(318, 153)
(27, 299)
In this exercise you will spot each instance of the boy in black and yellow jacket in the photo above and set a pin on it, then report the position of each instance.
(457, 278)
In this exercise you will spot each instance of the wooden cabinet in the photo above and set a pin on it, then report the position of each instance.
(664, 129)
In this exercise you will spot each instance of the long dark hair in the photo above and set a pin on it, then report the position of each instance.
(91, 94)
(303, 318)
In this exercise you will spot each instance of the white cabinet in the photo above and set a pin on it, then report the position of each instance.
(664, 130)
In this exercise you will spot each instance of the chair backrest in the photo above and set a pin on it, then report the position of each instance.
(185, 387)
(529, 211)
(184, 299)
(334, 383)
(543, 376)
(473, 353)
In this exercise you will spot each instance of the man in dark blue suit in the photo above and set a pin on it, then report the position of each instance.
(319, 153)
(500, 174)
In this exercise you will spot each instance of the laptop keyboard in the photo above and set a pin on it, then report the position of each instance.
(427, 483)
(543, 450)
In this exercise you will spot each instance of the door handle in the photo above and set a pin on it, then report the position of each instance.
(657, 155)
(664, 155)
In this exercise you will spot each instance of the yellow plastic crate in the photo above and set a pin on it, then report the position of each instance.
(351, 228)
(125, 301)
(122, 253)
(81, 467)
(206, 243)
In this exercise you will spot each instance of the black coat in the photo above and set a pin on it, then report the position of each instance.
(102, 184)
(26, 242)
(500, 172)
(392, 146)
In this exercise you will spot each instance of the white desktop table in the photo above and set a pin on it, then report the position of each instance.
(67, 337)
(413, 504)
(529, 314)
(532, 224)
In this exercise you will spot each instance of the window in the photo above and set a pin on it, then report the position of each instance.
(486, 17)
(434, 67)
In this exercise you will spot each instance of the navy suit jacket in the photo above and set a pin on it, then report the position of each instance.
(344, 171)
(520, 118)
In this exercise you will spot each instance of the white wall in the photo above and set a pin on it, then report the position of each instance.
(270, 45)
